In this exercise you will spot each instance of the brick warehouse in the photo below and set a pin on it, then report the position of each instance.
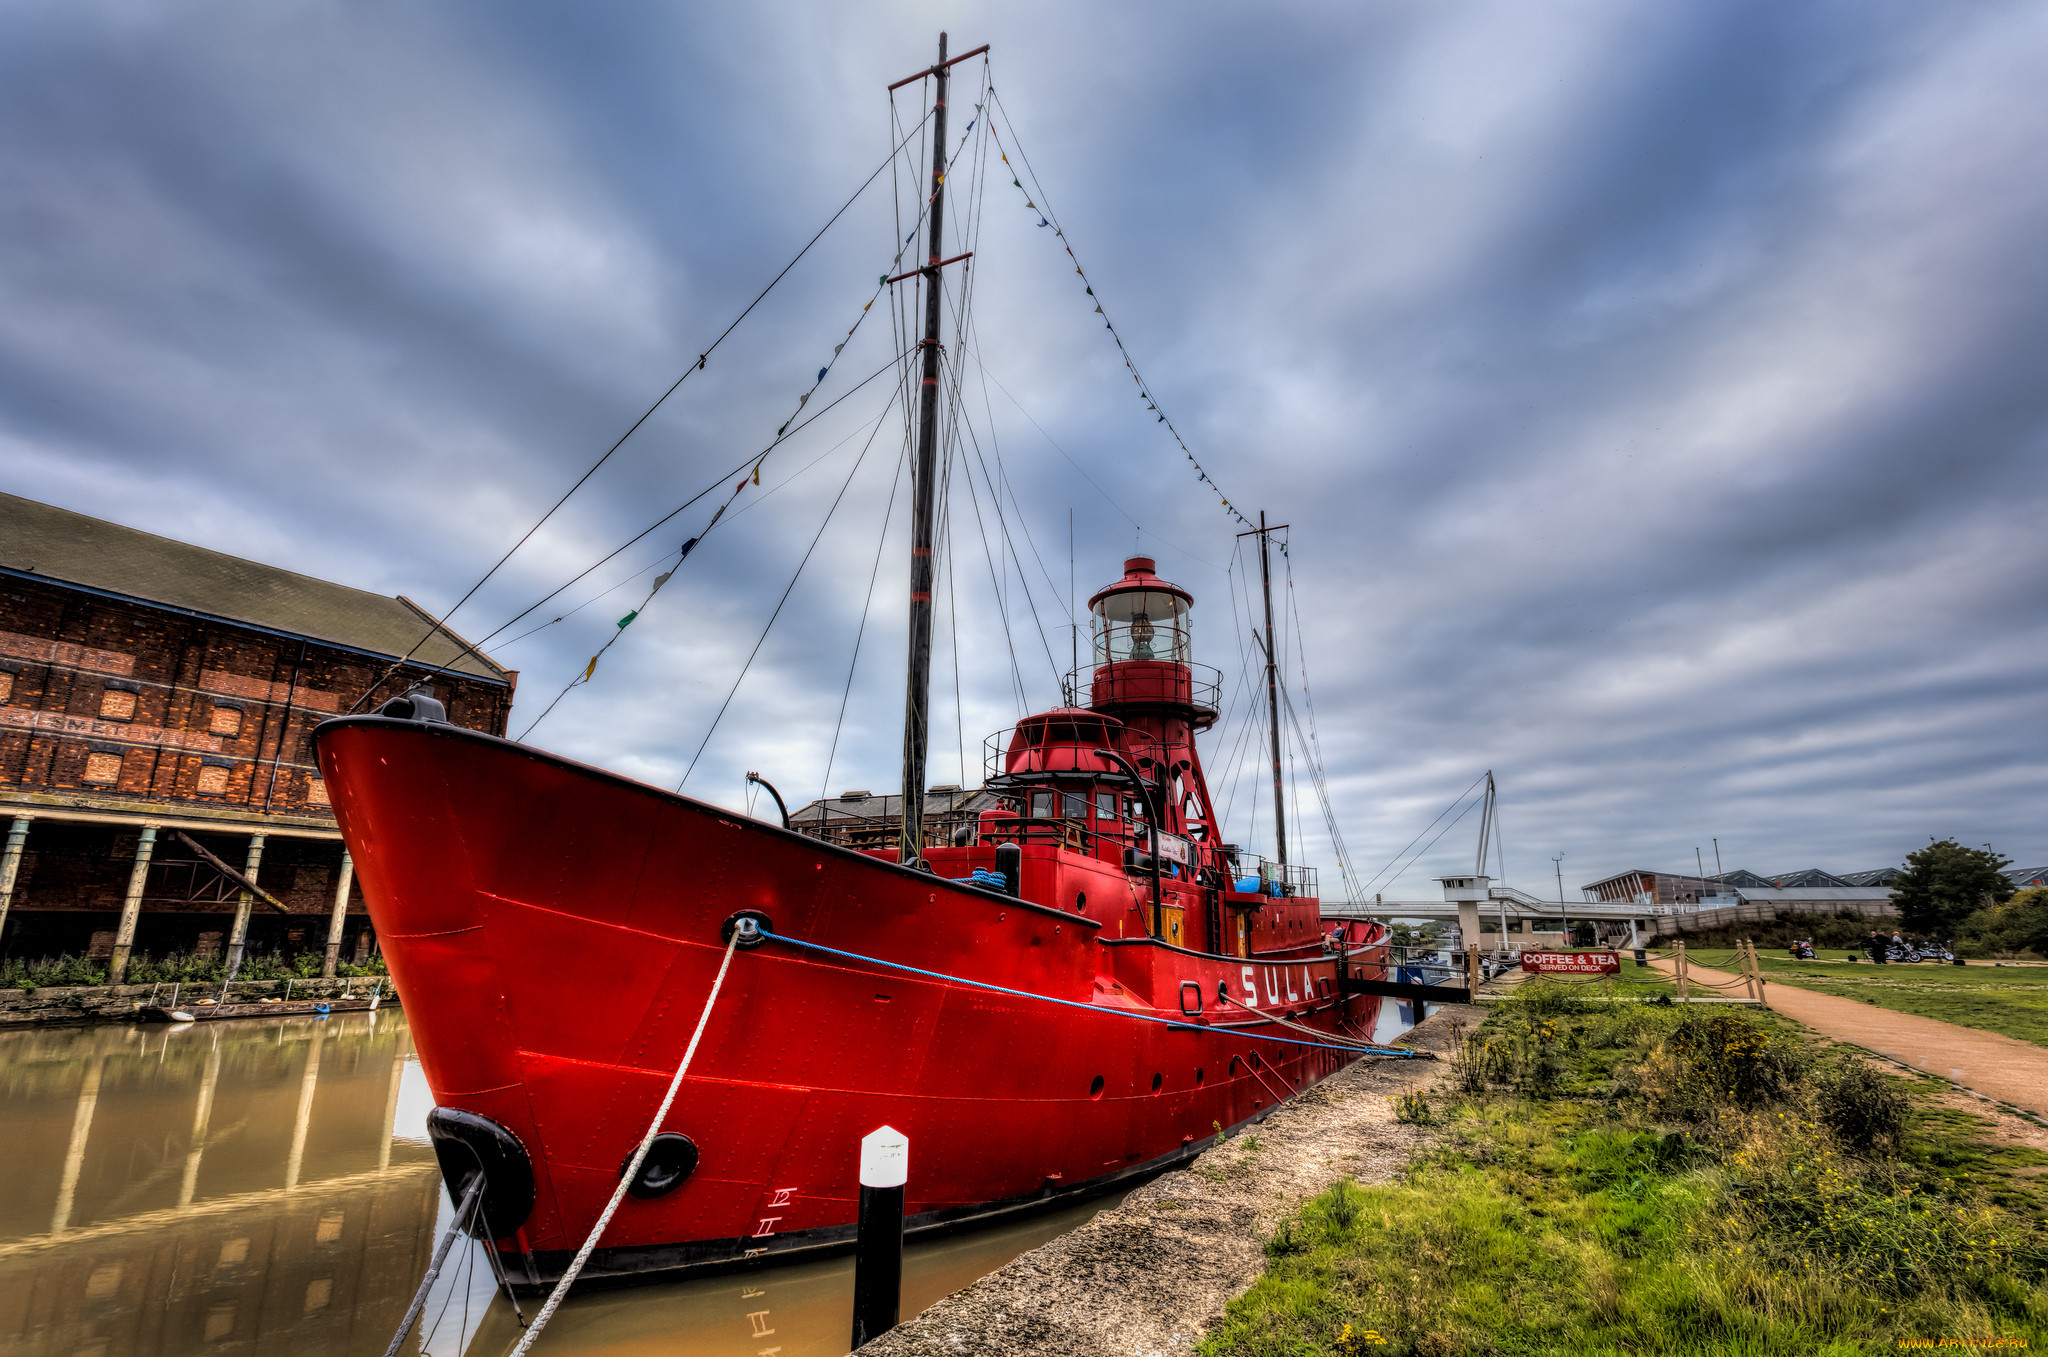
(156, 695)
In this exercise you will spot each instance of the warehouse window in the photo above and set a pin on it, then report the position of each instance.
(316, 791)
(226, 721)
(213, 780)
(102, 768)
(6, 685)
(117, 704)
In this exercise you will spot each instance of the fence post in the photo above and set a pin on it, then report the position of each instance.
(878, 1233)
(1684, 984)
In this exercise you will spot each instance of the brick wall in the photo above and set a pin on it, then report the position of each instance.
(125, 702)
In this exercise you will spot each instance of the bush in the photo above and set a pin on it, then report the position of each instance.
(1709, 1065)
(1865, 1109)
(20, 973)
(1843, 929)
(175, 968)
(1815, 1208)
(1412, 1109)
(2018, 925)
(182, 968)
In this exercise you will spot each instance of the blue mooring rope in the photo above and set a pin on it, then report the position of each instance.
(1091, 1008)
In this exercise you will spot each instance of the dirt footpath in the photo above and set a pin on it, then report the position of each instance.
(1147, 1278)
(2004, 1068)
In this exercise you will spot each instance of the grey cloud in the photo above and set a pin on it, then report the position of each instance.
(1653, 393)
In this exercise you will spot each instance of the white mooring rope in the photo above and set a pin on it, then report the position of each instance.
(632, 1169)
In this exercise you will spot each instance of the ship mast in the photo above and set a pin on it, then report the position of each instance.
(1264, 534)
(923, 484)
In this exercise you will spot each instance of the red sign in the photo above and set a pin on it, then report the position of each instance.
(1572, 963)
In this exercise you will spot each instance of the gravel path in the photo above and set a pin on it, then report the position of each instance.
(1999, 1067)
(1148, 1278)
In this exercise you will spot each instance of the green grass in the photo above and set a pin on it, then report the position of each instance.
(2012, 1000)
(177, 967)
(1664, 1181)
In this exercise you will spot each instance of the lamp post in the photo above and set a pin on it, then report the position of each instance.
(1558, 862)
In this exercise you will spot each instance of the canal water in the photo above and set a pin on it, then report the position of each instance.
(266, 1186)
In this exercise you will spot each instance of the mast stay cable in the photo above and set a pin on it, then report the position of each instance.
(440, 623)
(836, 499)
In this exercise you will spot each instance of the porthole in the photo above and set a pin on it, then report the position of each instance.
(670, 1160)
(1095, 1089)
(1198, 1078)
(1158, 1081)
(1080, 901)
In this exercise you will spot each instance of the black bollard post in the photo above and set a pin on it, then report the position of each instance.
(1010, 862)
(878, 1238)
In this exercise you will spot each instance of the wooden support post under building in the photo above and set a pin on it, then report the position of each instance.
(239, 939)
(334, 924)
(10, 866)
(131, 908)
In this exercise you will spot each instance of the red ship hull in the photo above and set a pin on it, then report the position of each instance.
(554, 931)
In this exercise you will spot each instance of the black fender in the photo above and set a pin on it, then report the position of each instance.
(467, 1145)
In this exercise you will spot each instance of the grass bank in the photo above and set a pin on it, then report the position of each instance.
(2012, 1000)
(1643, 1178)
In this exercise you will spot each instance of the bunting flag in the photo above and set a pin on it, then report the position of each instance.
(881, 281)
(631, 615)
(590, 669)
(1144, 392)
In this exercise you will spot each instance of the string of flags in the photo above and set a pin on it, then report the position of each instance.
(1144, 390)
(754, 476)
(881, 281)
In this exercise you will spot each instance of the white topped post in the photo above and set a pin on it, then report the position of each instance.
(878, 1235)
(884, 1158)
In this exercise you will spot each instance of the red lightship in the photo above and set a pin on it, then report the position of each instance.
(1077, 991)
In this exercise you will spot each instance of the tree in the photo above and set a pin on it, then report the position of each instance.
(1945, 883)
(2018, 925)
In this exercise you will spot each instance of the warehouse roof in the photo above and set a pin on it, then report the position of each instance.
(43, 541)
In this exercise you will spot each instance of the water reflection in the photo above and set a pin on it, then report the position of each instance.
(802, 1311)
(227, 1188)
(266, 1186)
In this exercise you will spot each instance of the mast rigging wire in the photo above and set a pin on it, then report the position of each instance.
(1051, 219)
(844, 486)
(728, 475)
(874, 573)
(440, 623)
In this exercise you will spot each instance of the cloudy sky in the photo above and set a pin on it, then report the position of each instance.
(1655, 393)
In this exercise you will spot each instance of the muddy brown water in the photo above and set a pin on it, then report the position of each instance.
(266, 1186)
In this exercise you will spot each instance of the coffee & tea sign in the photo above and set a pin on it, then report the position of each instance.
(1572, 963)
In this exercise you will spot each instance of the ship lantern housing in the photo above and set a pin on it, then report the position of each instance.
(1142, 648)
